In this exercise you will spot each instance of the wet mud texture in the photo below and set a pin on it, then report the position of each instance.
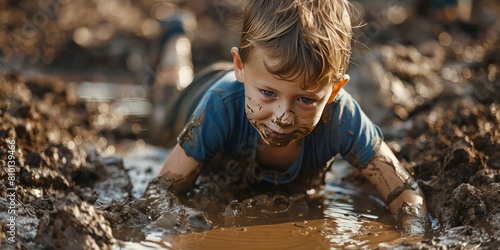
(451, 124)
(436, 100)
(59, 173)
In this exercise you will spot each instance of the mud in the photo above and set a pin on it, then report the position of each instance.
(436, 100)
(58, 173)
(73, 223)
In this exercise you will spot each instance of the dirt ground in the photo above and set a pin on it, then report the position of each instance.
(432, 85)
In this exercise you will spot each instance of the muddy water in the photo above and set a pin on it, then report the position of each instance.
(311, 234)
(344, 217)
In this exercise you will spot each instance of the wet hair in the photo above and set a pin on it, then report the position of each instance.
(310, 38)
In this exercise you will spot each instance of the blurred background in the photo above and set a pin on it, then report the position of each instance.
(111, 39)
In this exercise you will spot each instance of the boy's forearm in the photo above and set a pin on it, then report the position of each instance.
(413, 197)
(181, 170)
(406, 191)
(180, 184)
(398, 188)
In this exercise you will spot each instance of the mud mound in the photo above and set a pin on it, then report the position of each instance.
(74, 224)
(49, 144)
(455, 155)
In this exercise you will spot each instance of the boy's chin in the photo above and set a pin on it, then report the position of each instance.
(278, 142)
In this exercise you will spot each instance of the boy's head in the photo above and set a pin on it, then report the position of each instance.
(292, 61)
(310, 38)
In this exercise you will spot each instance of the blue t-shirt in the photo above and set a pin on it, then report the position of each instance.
(219, 128)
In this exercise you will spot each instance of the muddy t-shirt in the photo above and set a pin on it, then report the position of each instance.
(219, 126)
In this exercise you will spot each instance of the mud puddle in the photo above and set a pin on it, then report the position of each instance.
(342, 218)
(346, 230)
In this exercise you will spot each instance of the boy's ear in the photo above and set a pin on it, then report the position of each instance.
(337, 87)
(238, 65)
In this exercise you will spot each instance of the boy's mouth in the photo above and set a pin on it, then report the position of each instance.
(271, 134)
(277, 139)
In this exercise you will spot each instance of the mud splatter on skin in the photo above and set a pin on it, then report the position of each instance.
(297, 134)
(286, 119)
(177, 183)
(406, 181)
(411, 185)
(265, 134)
(250, 109)
(410, 217)
(249, 99)
(167, 211)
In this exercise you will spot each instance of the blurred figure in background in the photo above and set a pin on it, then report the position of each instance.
(172, 68)
(144, 46)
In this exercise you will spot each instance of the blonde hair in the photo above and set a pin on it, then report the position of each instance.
(311, 38)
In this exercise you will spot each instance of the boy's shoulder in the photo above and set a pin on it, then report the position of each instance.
(343, 107)
(342, 99)
(227, 88)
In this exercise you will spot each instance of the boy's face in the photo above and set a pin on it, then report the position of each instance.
(280, 110)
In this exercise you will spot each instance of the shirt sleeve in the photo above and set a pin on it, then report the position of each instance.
(207, 129)
(358, 137)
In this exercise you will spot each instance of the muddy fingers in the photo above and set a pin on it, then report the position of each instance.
(411, 219)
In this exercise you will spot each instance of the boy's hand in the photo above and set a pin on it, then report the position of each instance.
(181, 169)
(400, 191)
(411, 219)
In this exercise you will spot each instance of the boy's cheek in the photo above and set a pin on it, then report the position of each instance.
(252, 102)
(308, 120)
(255, 113)
(253, 108)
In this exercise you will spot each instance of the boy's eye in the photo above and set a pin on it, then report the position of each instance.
(306, 100)
(267, 93)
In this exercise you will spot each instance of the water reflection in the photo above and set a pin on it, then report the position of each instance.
(341, 227)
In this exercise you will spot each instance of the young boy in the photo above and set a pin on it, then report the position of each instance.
(281, 115)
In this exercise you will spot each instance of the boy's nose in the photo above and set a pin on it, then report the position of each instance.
(285, 119)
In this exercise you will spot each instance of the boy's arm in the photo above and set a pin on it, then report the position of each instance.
(181, 169)
(397, 187)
